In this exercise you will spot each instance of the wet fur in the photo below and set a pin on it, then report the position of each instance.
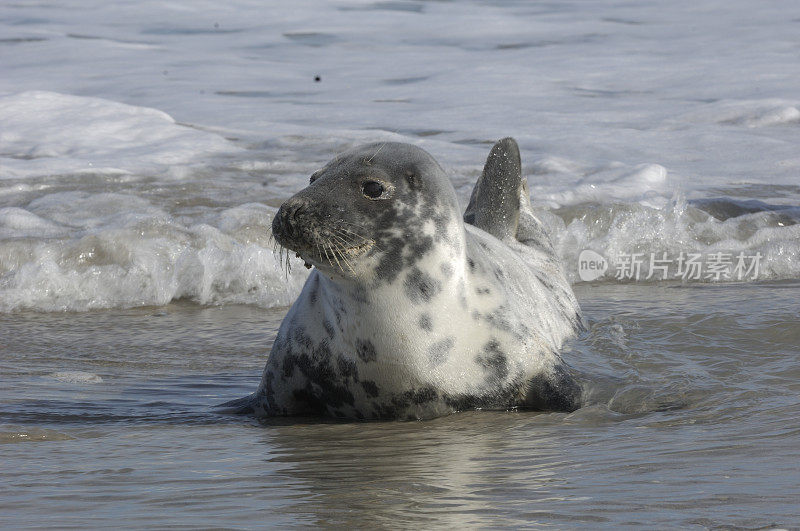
(410, 312)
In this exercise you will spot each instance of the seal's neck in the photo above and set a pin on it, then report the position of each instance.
(431, 279)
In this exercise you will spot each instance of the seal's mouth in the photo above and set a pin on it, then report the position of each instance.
(331, 253)
(332, 244)
(337, 247)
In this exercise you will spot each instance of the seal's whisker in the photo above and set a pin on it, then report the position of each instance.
(280, 250)
(349, 245)
(327, 255)
(338, 250)
(341, 248)
(277, 249)
(319, 250)
(340, 238)
(347, 262)
(341, 231)
(364, 240)
(352, 243)
(333, 252)
(351, 233)
(376, 153)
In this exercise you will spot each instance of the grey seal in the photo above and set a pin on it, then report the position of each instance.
(412, 311)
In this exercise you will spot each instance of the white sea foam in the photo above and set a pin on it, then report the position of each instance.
(645, 183)
(142, 256)
(77, 377)
(749, 113)
(619, 230)
(151, 167)
(47, 133)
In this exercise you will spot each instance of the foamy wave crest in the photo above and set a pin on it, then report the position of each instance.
(748, 113)
(52, 258)
(633, 238)
(46, 133)
(645, 183)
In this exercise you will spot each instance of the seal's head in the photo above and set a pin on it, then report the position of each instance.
(371, 213)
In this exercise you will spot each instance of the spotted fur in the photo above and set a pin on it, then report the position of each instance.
(410, 312)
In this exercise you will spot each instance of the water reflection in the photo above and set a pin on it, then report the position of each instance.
(457, 471)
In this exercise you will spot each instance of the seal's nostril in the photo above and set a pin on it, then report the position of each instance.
(288, 215)
(294, 211)
(286, 222)
(287, 226)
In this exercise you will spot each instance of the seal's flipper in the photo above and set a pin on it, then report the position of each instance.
(531, 231)
(500, 203)
(495, 202)
(240, 406)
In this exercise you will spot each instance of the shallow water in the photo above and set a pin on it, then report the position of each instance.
(145, 146)
(691, 420)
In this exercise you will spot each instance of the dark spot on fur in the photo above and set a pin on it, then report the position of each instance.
(420, 396)
(494, 360)
(554, 392)
(418, 247)
(360, 294)
(300, 337)
(391, 263)
(471, 264)
(425, 322)
(366, 350)
(501, 320)
(324, 387)
(308, 402)
(441, 223)
(329, 329)
(347, 367)
(483, 291)
(437, 353)
(289, 361)
(420, 286)
(384, 411)
(464, 402)
(370, 387)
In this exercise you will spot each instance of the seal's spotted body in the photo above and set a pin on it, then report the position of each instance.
(410, 312)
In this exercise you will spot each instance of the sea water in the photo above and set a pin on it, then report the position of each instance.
(145, 147)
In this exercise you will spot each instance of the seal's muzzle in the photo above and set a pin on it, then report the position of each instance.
(290, 223)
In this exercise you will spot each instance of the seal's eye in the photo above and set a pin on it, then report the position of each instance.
(372, 189)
